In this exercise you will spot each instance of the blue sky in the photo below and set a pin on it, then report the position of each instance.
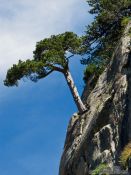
(34, 116)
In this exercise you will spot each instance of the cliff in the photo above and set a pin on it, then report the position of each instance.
(99, 135)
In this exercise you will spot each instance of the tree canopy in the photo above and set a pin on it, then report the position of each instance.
(102, 35)
(51, 54)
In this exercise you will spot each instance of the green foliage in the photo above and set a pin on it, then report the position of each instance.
(93, 69)
(107, 28)
(30, 69)
(125, 21)
(126, 153)
(90, 70)
(50, 55)
(99, 169)
(54, 48)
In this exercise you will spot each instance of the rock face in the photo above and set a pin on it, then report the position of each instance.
(99, 135)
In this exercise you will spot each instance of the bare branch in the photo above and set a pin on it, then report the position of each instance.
(44, 75)
(55, 68)
(70, 56)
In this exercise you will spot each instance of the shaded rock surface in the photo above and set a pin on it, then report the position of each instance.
(99, 135)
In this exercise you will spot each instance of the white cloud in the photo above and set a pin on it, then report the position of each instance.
(27, 21)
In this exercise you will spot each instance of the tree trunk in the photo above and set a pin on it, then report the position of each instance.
(81, 107)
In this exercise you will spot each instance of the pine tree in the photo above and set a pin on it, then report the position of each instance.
(51, 54)
(102, 36)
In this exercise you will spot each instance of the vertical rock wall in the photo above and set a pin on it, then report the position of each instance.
(99, 135)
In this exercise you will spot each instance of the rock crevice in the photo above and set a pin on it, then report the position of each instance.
(99, 135)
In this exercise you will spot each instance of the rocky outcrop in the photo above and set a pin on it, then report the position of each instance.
(99, 135)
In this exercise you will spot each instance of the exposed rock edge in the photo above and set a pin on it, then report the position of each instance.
(99, 135)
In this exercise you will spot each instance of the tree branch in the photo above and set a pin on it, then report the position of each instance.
(70, 56)
(44, 75)
(55, 68)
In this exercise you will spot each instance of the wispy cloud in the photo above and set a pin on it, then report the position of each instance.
(27, 21)
(33, 119)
